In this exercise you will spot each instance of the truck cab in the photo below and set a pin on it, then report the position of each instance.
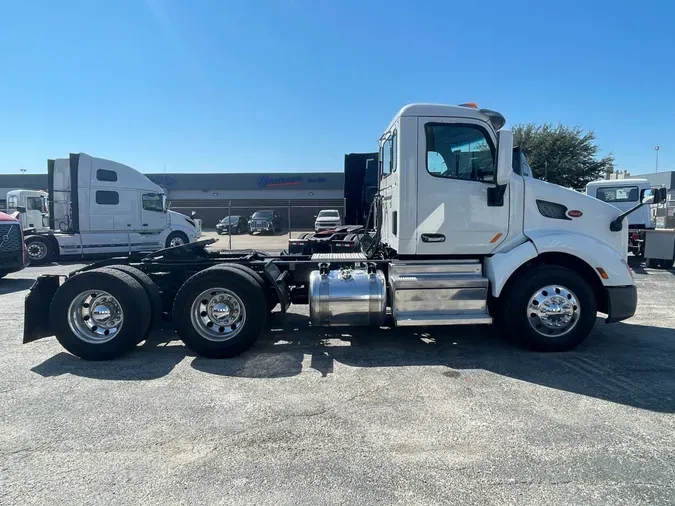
(625, 194)
(30, 208)
(101, 207)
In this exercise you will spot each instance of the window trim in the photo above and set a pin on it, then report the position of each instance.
(107, 191)
(393, 158)
(488, 138)
(631, 186)
(106, 171)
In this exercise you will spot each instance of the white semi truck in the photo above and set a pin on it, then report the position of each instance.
(98, 207)
(30, 208)
(625, 194)
(461, 238)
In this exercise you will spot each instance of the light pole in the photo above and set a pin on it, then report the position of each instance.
(656, 148)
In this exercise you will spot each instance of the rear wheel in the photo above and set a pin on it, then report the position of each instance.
(40, 249)
(270, 297)
(220, 312)
(151, 291)
(550, 309)
(100, 314)
(667, 264)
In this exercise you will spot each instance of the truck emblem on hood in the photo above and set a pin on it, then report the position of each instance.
(574, 213)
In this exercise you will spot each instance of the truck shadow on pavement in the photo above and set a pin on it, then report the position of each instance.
(11, 285)
(622, 363)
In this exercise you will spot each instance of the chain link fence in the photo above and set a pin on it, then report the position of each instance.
(291, 216)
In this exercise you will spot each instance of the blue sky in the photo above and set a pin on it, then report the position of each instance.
(266, 85)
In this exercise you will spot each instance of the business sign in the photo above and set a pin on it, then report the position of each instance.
(164, 180)
(269, 182)
(265, 181)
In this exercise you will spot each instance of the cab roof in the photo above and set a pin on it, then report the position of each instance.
(416, 110)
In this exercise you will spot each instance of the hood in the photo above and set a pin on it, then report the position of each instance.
(180, 219)
(549, 206)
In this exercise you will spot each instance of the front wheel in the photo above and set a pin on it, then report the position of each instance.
(176, 239)
(550, 309)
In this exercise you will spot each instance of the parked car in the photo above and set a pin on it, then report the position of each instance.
(13, 254)
(237, 224)
(327, 219)
(264, 221)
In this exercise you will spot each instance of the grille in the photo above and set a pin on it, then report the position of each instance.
(10, 237)
(553, 210)
(259, 223)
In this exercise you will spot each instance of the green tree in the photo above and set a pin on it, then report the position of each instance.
(562, 155)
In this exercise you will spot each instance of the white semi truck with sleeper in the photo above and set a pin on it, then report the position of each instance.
(98, 207)
(461, 238)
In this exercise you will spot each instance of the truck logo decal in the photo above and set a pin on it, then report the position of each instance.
(574, 213)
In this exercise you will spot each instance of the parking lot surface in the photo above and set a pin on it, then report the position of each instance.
(344, 416)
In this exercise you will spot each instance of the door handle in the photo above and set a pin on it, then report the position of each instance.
(128, 224)
(433, 238)
(145, 224)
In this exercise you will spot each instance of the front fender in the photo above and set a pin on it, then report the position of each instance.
(594, 252)
(500, 267)
(192, 234)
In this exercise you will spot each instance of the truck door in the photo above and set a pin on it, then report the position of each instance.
(153, 221)
(457, 163)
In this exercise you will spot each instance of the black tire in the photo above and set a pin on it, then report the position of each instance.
(269, 295)
(667, 264)
(514, 302)
(245, 287)
(653, 263)
(150, 289)
(44, 244)
(175, 235)
(131, 297)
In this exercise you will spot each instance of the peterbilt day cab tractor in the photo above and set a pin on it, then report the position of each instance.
(460, 239)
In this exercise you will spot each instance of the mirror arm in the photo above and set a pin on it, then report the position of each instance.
(616, 225)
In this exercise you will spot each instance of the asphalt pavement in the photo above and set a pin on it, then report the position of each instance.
(344, 416)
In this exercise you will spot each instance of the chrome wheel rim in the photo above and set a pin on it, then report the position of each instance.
(176, 241)
(37, 250)
(553, 311)
(218, 314)
(95, 317)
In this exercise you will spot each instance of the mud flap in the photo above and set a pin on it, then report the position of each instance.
(36, 314)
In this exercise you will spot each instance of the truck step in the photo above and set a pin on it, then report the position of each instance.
(438, 293)
(336, 257)
(435, 280)
(421, 319)
(421, 267)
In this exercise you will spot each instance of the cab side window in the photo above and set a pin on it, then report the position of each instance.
(152, 202)
(456, 151)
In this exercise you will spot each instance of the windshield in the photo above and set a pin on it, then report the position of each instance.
(329, 214)
(262, 215)
(619, 194)
(230, 219)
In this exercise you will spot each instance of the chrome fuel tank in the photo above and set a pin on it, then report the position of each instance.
(347, 297)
